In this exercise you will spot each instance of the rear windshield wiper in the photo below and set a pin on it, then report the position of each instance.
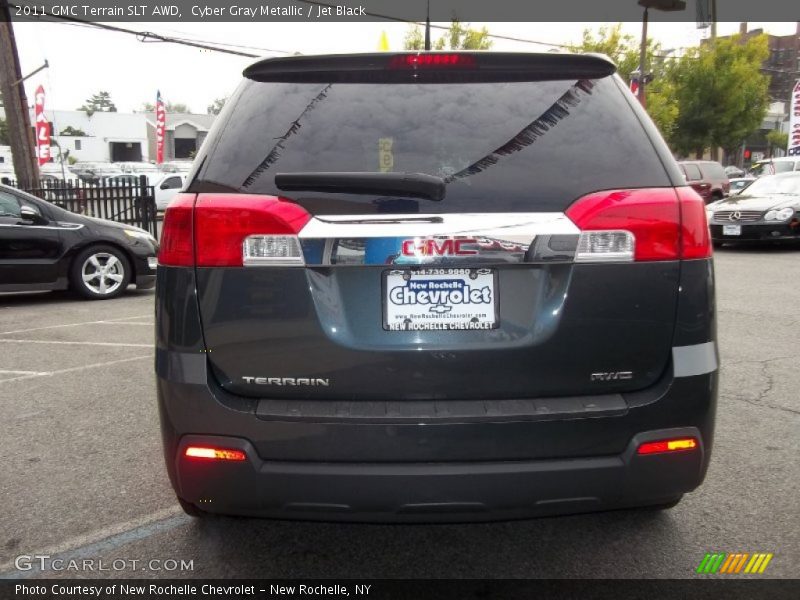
(414, 185)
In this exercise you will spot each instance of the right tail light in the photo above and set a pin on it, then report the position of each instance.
(640, 225)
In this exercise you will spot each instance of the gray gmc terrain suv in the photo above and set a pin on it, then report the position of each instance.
(434, 286)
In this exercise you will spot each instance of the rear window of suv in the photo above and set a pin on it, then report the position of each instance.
(501, 146)
(713, 170)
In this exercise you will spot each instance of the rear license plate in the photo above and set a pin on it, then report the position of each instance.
(731, 230)
(432, 299)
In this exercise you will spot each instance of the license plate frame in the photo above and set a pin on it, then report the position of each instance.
(447, 316)
(731, 230)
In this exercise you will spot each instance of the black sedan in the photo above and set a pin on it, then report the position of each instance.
(768, 210)
(44, 247)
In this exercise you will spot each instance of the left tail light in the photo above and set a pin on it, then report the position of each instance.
(232, 230)
(177, 247)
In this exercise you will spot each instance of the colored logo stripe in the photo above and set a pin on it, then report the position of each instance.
(722, 562)
(734, 563)
(711, 562)
(758, 563)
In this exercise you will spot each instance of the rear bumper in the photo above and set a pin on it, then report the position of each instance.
(375, 462)
(414, 492)
(466, 469)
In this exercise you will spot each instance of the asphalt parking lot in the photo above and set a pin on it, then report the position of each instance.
(82, 472)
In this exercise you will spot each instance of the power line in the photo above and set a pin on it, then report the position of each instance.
(433, 26)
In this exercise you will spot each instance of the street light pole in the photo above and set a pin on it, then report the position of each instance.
(642, 57)
(666, 6)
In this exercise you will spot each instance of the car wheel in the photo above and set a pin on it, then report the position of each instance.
(100, 273)
(192, 510)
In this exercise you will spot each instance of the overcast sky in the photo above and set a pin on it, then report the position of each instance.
(84, 59)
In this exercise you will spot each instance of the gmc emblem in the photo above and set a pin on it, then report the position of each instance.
(433, 247)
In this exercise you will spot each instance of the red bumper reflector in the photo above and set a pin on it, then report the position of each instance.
(209, 453)
(662, 446)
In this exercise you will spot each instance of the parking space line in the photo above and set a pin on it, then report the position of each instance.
(101, 321)
(7, 372)
(81, 368)
(71, 343)
(104, 540)
(124, 323)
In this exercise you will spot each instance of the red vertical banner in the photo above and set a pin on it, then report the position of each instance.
(42, 128)
(635, 86)
(793, 147)
(161, 126)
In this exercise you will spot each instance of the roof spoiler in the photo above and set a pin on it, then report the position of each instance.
(436, 67)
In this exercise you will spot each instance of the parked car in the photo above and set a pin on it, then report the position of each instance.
(740, 183)
(56, 188)
(773, 166)
(126, 179)
(733, 171)
(412, 313)
(138, 167)
(44, 247)
(177, 166)
(94, 172)
(767, 210)
(167, 187)
(707, 178)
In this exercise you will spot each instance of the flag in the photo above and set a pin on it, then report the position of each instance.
(383, 44)
(793, 147)
(161, 126)
(42, 128)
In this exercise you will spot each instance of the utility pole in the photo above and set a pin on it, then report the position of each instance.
(714, 151)
(642, 59)
(666, 6)
(713, 16)
(428, 28)
(18, 120)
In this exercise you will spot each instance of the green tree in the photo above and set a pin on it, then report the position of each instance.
(99, 102)
(624, 50)
(216, 106)
(777, 139)
(620, 47)
(3, 133)
(70, 130)
(458, 37)
(415, 39)
(177, 107)
(722, 94)
(662, 105)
